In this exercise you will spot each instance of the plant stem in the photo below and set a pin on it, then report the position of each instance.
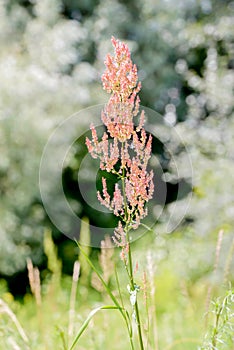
(123, 311)
(132, 284)
(129, 268)
(121, 300)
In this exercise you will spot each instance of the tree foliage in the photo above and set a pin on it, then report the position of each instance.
(50, 65)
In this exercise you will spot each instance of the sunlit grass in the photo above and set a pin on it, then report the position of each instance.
(179, 303)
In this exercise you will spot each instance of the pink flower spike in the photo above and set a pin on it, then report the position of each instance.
(117, 202)
(89, 145)
(94, 133)
(142, 121)
(105, 200)
(105, 193)
(124, 150)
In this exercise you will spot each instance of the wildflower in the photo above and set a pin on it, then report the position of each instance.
(119, 238)
(124, 149)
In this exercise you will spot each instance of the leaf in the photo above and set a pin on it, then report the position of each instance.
(88, 319)
(122, 310)
(100, 277)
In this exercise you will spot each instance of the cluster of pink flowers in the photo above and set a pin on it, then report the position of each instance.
(124, 149)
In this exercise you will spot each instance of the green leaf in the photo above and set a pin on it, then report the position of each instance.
(122, 310)
(88, 319)
(100, 277)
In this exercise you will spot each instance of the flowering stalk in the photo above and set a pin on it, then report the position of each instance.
(124, 150)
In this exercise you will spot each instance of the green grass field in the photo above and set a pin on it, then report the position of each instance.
(184, 275)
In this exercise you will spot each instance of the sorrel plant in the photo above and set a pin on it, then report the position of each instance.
(124, 150)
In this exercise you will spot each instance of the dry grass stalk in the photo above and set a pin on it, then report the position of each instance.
(216, 262)
(145, 287)
(85, 242)
(217, 251)
(105, 258)
(152, 308)
(4, 308)
(228, 262)
(106, 263)
(75, 278)
(146, 325)
(13, 344)
(34, 281)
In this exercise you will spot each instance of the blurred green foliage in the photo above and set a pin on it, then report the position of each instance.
(51, 60)
(179, 303)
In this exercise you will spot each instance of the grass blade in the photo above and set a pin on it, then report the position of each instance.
(88, 319)
(62, 337)
(100, 277)
(122, 310)
(4, 308)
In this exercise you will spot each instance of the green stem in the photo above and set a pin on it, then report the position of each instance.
(121, 300)
(129, 268)
(123, 312)
(215, 331)
(132, 285)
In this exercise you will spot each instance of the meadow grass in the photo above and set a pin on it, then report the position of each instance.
(175, 317)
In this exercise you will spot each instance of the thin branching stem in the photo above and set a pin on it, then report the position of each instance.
(132, 285)
(122, 303)
(123, 311)
(129, 267)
